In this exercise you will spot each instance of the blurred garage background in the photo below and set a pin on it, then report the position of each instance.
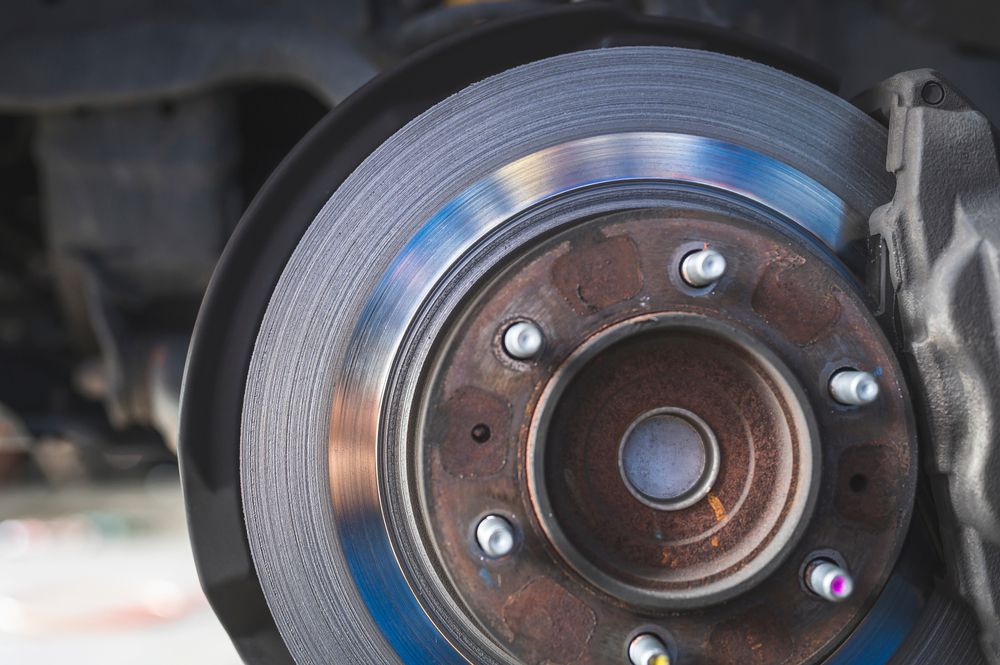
(133, 133)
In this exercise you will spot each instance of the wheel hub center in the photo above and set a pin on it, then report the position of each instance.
(657, 505)
(669, 458)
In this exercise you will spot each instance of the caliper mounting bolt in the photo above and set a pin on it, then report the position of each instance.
(703, 267)
(853, 388)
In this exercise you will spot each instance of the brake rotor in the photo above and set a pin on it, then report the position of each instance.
(564, 192)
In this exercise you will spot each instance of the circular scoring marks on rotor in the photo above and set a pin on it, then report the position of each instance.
(304, 358)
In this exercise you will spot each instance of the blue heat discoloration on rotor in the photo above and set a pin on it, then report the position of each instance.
(484, 208)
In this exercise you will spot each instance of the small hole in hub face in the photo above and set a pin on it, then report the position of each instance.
(481, 433)
(858, 482)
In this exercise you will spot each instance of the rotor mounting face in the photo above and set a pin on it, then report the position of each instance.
(736, 374)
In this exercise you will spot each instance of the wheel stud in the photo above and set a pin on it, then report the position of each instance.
(523, 340)
(495, 536)
(829, 581)
(648, 649)
(853, 388)
(703, 267)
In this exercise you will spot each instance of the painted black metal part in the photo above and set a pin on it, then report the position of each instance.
(61, 56)
(937, 243)
(257, 252)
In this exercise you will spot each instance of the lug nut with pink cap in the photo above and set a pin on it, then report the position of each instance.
(829, 581)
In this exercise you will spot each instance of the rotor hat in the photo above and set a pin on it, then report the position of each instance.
(636, 371)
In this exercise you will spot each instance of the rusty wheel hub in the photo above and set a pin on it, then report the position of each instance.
(669, 458)
(673, 460)
(671, 455)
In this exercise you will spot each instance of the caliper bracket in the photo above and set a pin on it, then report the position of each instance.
(940, 235)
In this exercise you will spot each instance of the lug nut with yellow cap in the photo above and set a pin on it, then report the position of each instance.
(648, 649)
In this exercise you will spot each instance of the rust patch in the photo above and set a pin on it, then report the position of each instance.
(717, 507)
(606, 525)
(477, 435)
(755, 637)
(798, 300)
(866, 494)
(552, 625)
(598, 275)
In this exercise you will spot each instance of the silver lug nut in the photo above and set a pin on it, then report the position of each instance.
(495, 536)
(523, 340)
(703, 267)
(854, 388)
(829, 581)
(648, 649)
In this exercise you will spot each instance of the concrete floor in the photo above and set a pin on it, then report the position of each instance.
(102, 576)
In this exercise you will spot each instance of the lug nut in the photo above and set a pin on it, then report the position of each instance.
(703, 267)
(648, 649)
(854, 388)
(495, 536)
(829, 581)
(522, 340)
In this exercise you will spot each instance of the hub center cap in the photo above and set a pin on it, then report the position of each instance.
(669, 458)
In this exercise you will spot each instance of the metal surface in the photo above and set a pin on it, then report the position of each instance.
(495, 536)
(165, 374)
(144, 140)
(157, 226)
(138, 203)
(703, 267)
(942, 240)
(769, 448)
(58, 56)
(345, 536)
(854, 388)
(669, 458)
(647, 649)
(653, 343)
(258, 251)
(829, 581)
(523, 340)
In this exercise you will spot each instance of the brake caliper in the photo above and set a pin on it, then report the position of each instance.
(940, 248)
